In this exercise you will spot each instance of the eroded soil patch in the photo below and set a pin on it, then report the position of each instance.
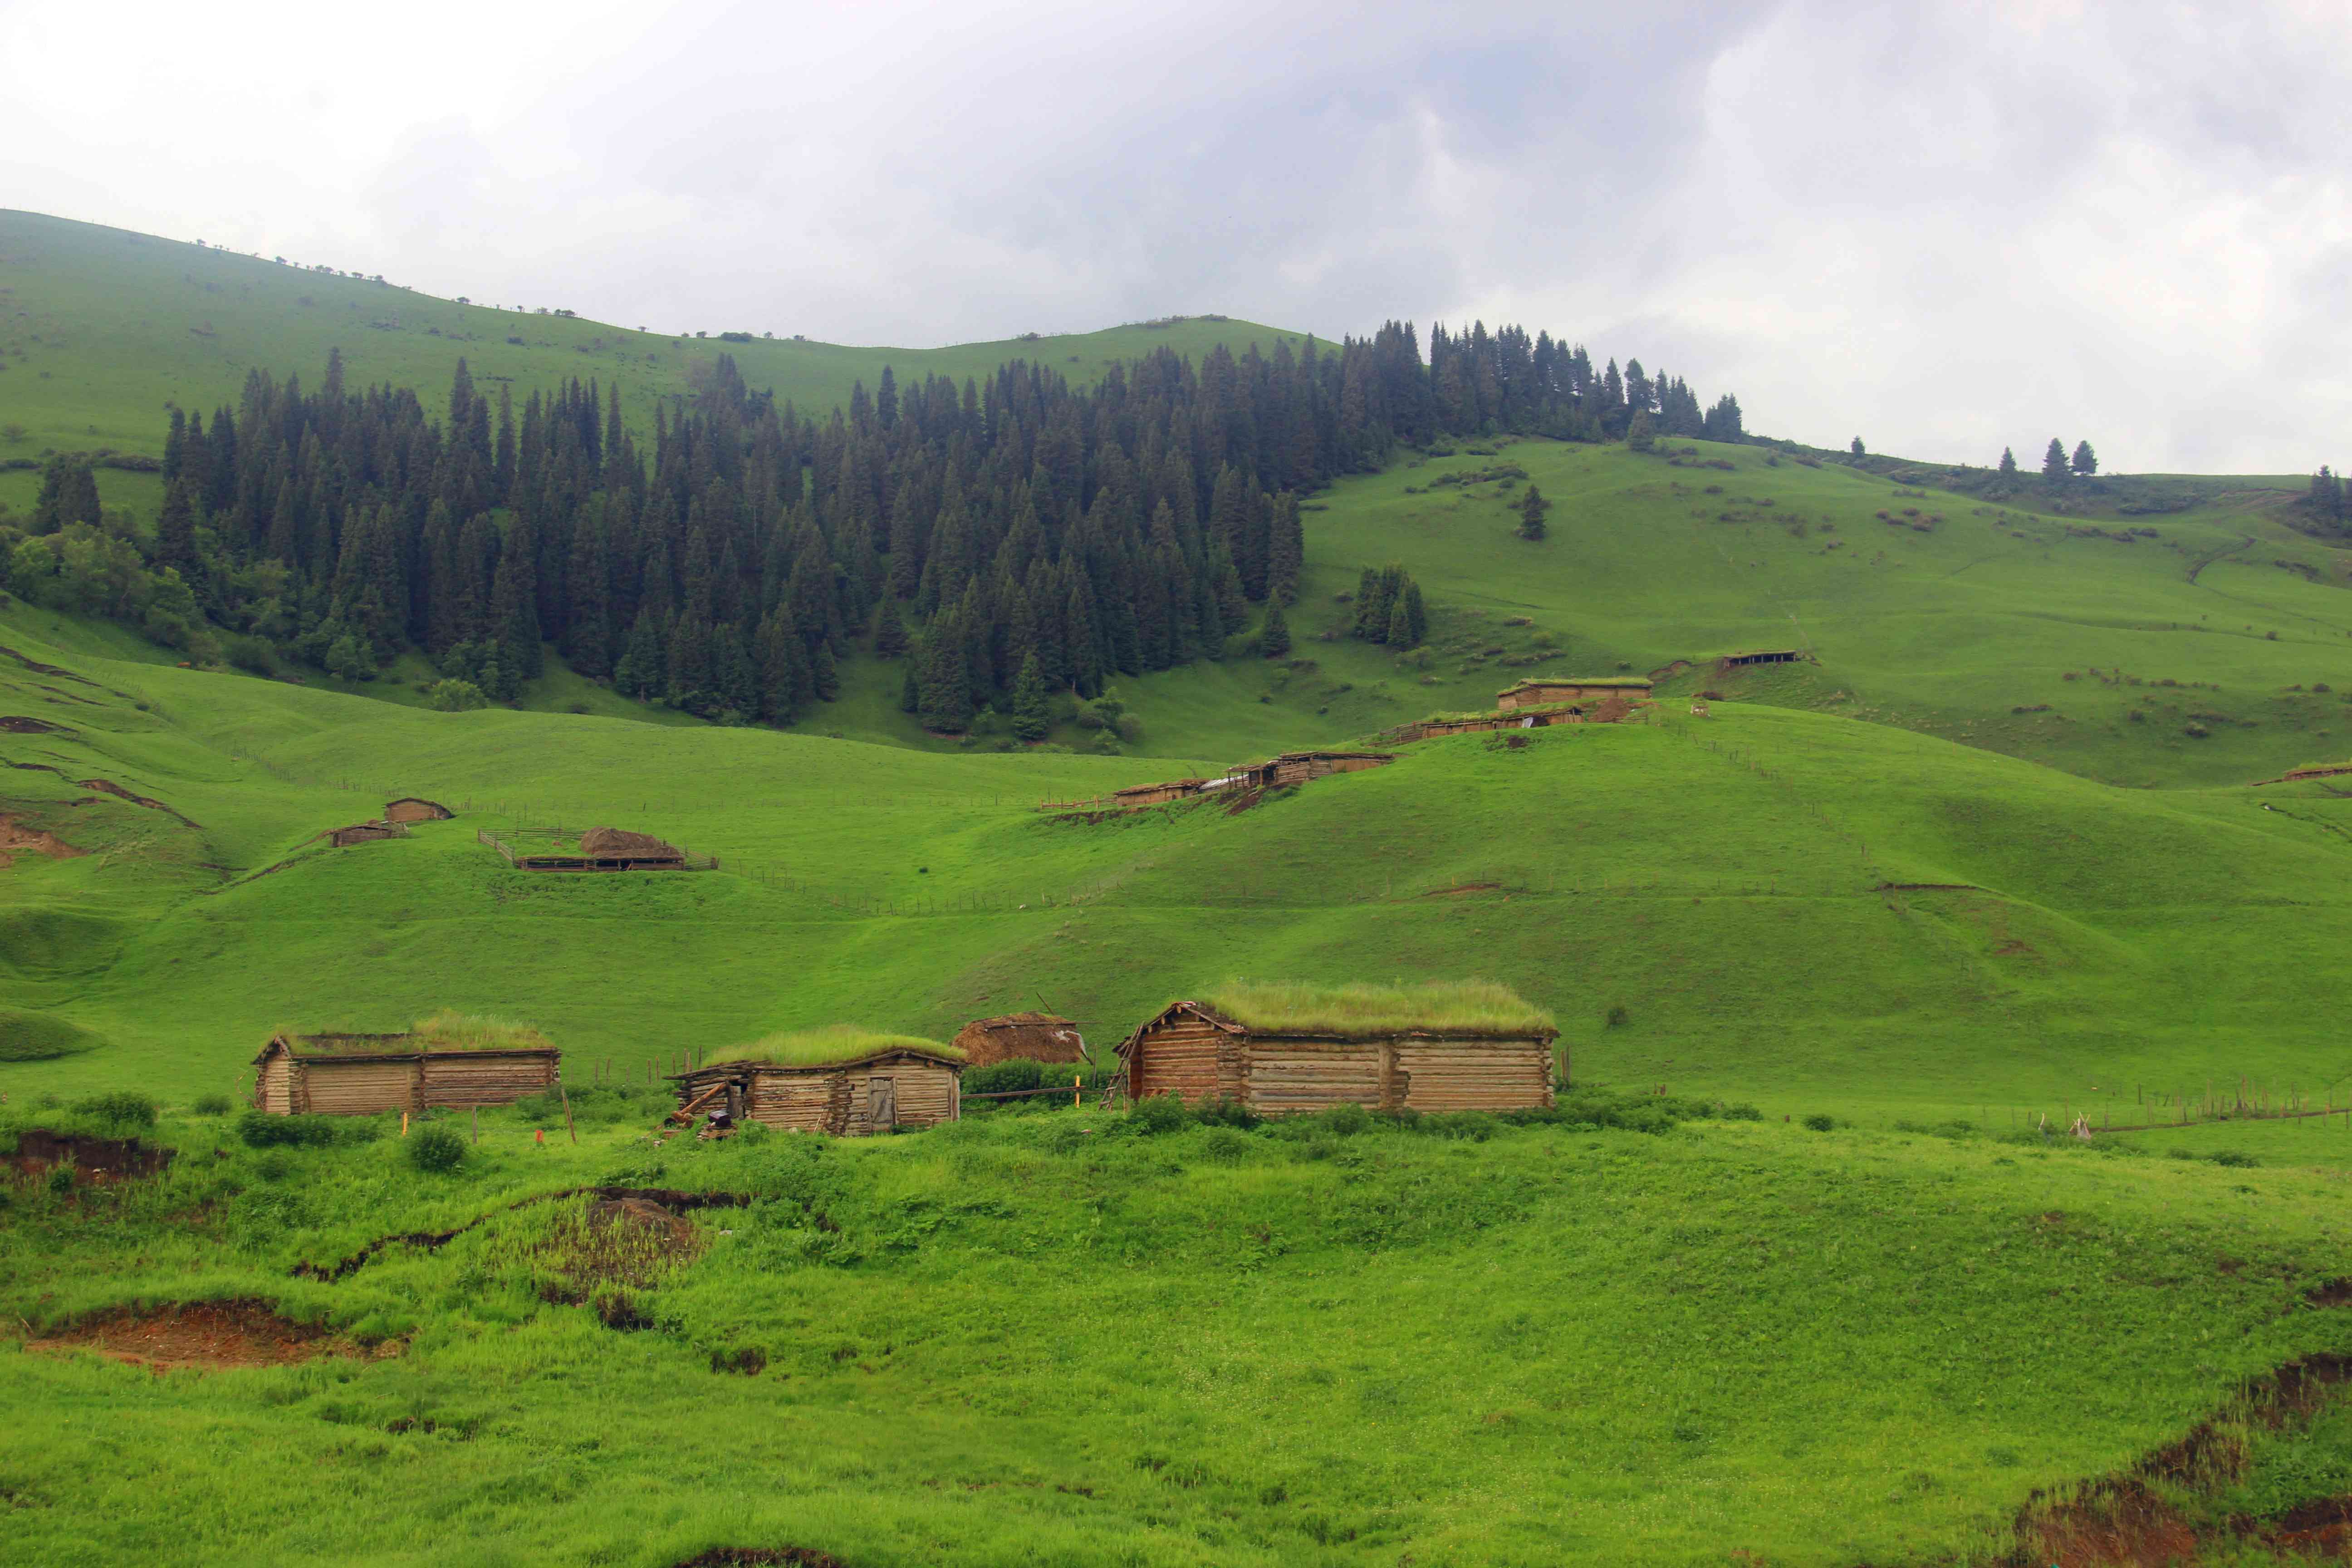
(40, 1151)
(211, 1335)
(20, 724)
(432, 1240)
(15, 839)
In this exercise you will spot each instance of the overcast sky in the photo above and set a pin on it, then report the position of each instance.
(1945, 228)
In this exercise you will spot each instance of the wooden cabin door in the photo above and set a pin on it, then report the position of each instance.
(882, 1102)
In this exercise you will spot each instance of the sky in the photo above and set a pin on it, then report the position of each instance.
(1944, 227)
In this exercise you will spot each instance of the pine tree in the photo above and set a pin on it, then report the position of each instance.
(643, 671)
(1401, 625)
(910, 691)
(1274, 642)
(2085, 462)
(1031, 721)
(824, 674)
(514, 605)
(1641, 434)
(2054, 463)
(1531, 509)
(1416, 615)
(1857, 448)
(175, 530)
(1286, 550)
(2008, 463)
(889, 629)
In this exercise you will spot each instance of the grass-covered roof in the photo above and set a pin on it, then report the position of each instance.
(1619, 681)
(835, 1042)
(1467, 1007)
(444, 1031)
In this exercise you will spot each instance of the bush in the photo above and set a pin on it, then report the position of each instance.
(212, 1105)
(1347, 1121)
(61, 1180)
(435, 1150)
(119, 1109)
(250, 654)
(1819, 1122)
(1618, 1017)
(259, 1129)
(1225, 1146)
(455, 695)
(1159, 1114)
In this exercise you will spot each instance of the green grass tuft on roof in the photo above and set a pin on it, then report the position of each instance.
(1484, 1007)
(835, 1042)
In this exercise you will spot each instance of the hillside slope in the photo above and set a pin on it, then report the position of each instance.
(1788, 904)
(107, 326)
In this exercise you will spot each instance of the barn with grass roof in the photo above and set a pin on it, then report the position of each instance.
(1292, 1049)
(844, 1080)
(1020, 1037)
(448, 1059)
(1579, 693)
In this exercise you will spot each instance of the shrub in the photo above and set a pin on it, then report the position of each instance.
(1618, 1016)
(1347, 1120)
(1224, 1145)
(1821, 1123)
(212, 1105)
(119, 1108)
(455, 695)
(436, 1150)
(259, 1129)
(1160, 1113)
(61, 1180)
(2236, 1158)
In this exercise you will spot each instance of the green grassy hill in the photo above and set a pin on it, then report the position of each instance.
(101, 328)
(1803, 907)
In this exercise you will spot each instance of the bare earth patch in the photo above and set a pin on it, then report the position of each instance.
(209, 1335)
(17, 840)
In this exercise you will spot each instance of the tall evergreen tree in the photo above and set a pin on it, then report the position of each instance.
(1030, 719)
(2084, 462)
(1274, 642)
(2054, 463)
(1531, 509)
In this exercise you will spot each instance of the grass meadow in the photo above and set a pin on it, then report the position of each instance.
(1057, 1339)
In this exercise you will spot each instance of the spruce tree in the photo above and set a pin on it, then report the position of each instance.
(175, 530)
(514, 605)
(1400, 625)
(1531, 509)
(1030, 719)
(1416, 615)
(889, 629)
(2085, 462)
(1286, 550)
(2054, 463)
(1274, 642)
(1642, 433)
(824, 674)
(2008, 463)
(1857, 448)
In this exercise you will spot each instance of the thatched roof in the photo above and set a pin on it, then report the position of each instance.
(444, 1031)
(1020, 1036)
(1463, 1009)
(615, 841)
(836, 1045)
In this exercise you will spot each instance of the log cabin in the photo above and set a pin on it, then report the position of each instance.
(446, 1060)
(1288, 1050)
(1582, 690)
(846, 1081)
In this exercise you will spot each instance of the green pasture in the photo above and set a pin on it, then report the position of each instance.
(1800, 907)
(1055, 1339)
(102, 329)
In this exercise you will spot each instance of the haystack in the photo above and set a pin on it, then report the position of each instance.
(1020, 1036)
(614, 842)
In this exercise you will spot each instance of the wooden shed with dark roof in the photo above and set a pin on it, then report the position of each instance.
(847, 1081)
(446, 1060)
(1288, 1050)
(1020, 1037)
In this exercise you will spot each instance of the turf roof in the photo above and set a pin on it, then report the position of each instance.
(444, 1031)
(1472, 1006)
(1619, 681)
(836, 1043)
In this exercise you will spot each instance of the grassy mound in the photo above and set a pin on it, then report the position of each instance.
(1471, 1007)
(41, 1037)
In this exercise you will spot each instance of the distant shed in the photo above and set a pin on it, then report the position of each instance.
(1293, 1051)
(364, 833)
(440, 1064)
(1579, 690)
(416, 808)
(1731, 661)
(1020, 1037)
(848, 1082)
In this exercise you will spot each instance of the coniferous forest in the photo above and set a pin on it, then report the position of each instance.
(1012, 538)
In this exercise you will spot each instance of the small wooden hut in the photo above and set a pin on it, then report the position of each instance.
(416, 808)
(1020, 1037)
(1299, 767)
(1731, 661)
(1286, 1050)
(364, 833)
(446, 1060)
(1582, 690)
(847, 1081)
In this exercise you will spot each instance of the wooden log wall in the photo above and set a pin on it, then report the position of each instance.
(487, 1078)
(1474, 1075)
(331, 1088)
(1179, 1058)
(275, 1090)
(793, 1102)
(1297, 1077)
